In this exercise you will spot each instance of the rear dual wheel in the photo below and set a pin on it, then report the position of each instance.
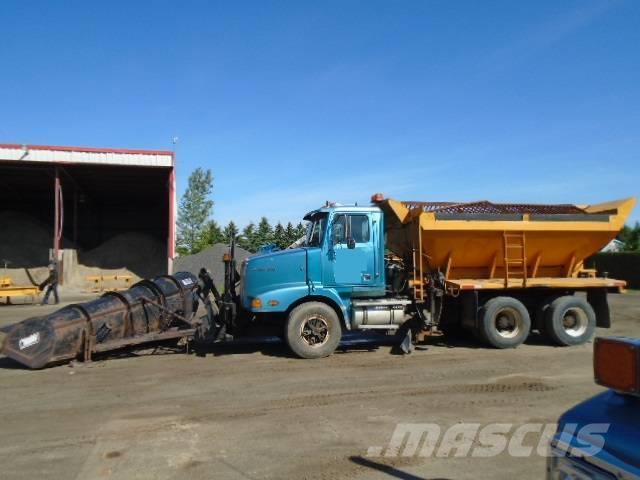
(504, 323)
(569, 320)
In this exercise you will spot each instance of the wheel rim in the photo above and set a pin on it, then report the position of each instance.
(575, 322)
(508, 322)
(314, 331)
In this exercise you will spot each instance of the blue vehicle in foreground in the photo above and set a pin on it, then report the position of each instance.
(600, 438)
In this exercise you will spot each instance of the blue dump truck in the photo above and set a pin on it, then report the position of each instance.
(409, 268)
(600, 438)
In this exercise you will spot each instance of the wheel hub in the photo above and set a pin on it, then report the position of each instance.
(508, 323)
(575, 322)
(315, 331)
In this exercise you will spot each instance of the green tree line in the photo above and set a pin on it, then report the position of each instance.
(630, 238)
(252, 236)
(197, 230)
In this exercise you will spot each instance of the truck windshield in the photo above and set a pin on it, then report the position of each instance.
(315, 230)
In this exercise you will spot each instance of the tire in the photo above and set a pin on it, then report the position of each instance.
(313, 330)
(569, 321)
(540, 314)
(504, 322)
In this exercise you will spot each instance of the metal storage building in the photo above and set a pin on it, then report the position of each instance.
(85, 198)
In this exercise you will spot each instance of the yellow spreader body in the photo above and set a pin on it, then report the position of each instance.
(483, 245)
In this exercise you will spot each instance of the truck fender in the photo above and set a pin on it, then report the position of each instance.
(333, 301)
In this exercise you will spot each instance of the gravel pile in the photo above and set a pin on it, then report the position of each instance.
(24, 241)
(24, 246)
(211, 259)
(137, 253)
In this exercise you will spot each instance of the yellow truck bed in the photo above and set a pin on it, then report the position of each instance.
(481, 245)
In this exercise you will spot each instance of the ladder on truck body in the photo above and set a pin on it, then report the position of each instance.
(515, 258)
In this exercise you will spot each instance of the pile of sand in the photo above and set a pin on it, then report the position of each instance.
(25, 243)
(134, 253)
(24, 247)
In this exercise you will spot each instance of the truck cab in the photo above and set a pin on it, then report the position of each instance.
(335, 280)
(340, 258)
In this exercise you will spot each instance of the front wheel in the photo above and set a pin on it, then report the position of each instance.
(313, 330)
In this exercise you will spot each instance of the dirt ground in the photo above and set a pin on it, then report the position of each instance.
(254, 412)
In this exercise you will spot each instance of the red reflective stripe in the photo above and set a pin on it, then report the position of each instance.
(171, 250)
(53, 148)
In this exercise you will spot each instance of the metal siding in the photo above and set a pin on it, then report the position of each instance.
(151, 159)
(171, 241)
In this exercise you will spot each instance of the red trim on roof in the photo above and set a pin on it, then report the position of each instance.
(125, 151)
(171, 241)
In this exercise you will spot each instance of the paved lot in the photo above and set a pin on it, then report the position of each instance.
(257, 413)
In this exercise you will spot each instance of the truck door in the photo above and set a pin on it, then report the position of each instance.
(350, 251)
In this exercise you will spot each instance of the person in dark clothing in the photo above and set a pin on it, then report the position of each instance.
(51, 283)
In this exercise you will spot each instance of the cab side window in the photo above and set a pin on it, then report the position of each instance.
(351, 226)
(340, 229)
(359, 228)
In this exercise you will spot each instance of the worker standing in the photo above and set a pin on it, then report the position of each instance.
(51, 283)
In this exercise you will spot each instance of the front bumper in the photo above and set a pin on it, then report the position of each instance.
(567, 462)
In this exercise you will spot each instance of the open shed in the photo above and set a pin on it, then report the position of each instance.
(99, 211)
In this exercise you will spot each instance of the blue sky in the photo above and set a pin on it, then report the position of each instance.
(294, 103)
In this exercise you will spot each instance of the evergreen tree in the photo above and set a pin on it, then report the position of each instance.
(211, 235)
(229, 232)
(630, 238)
(290, 234)
(194, 210)
(264, 234)
(248, 238)
(301, 230)
(279, 236)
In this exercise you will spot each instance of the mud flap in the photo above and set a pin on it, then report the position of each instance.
(469, 309)
(406, 346)
(597, 298)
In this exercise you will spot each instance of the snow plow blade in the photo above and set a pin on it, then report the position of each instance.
(150, 311)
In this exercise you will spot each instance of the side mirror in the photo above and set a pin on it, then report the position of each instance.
(351, 243)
